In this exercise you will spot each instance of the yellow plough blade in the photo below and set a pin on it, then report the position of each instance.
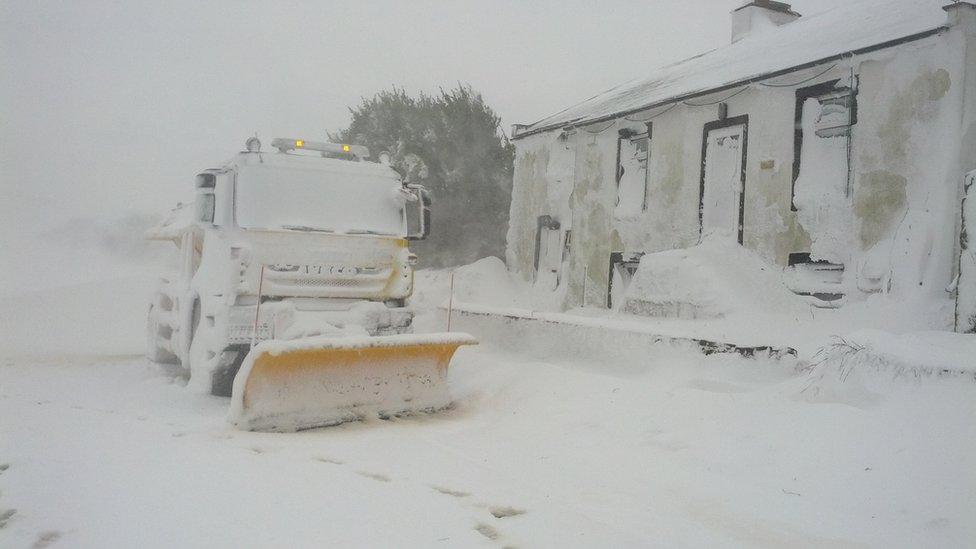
(314, 382)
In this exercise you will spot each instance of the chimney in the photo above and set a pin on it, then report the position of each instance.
(755, 16)
(961, 13)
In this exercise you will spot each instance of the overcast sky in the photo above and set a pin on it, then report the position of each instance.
(112, 107)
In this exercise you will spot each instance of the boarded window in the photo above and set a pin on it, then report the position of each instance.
(825, 116)
(633, 155)
(828, 111)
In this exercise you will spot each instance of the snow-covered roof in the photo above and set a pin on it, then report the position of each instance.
(810, 40)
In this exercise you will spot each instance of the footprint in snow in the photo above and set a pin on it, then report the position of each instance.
(450, 492)
(4, 467)
(5, 516)
(374, 476)
(328, 460)
(505, 512)
(46, 538)
(487, 530)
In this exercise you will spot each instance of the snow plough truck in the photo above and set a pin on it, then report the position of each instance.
(291, 295)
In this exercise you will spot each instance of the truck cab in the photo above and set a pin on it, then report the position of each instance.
(309, 240)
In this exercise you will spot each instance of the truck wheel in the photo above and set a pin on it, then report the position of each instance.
(218, 369)
(154, 352)
(222, 380)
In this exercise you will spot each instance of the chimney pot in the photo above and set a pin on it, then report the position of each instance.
(754, 16)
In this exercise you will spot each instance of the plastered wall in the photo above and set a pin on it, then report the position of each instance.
(907, 161)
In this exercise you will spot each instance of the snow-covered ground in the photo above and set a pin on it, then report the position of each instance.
(676, 450)
(114, 452)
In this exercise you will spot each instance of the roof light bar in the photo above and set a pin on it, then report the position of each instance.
(285, 145)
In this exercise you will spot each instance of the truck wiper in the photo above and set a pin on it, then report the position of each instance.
(307, 229)
(365, 231)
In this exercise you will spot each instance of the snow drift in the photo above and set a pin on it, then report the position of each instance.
(714, 279)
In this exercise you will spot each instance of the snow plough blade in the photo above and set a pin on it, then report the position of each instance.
(321, 381)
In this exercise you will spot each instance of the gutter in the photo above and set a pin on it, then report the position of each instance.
(765, 76)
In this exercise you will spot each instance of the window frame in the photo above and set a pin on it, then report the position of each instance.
(742, 120)
(816, 91)
(630, 134)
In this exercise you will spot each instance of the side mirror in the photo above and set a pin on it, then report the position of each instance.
(206, 201)
(205, 208)
(423, 213)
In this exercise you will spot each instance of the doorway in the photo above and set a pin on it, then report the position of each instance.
(550, 252)
(623, 267)
(723, 177)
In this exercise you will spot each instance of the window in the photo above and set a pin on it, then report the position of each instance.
(205, 207)
(834, 119)
(633, 155)
(830, 110)
(205, 202)
(303, 199)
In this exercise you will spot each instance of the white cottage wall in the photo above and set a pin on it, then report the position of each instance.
(905, 176)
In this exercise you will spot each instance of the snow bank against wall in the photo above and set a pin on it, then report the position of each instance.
(715, 279)
(485, 281)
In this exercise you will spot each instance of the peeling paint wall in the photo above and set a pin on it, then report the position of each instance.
(592, 203)
(906, 174)
(529, 197)
(963, 35)
(671, 218)
(965, 311)
(905, 169)
(878, 203)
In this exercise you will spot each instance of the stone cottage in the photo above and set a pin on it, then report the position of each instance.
(834, 145)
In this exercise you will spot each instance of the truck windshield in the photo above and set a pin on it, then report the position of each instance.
(315, 200)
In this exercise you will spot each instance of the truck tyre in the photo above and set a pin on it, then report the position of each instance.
(222, 380)
(220, 369)
(154, 352)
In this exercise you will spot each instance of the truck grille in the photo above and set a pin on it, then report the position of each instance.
(372, 281)
(326, 282)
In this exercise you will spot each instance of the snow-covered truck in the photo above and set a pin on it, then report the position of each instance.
(291, 297)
